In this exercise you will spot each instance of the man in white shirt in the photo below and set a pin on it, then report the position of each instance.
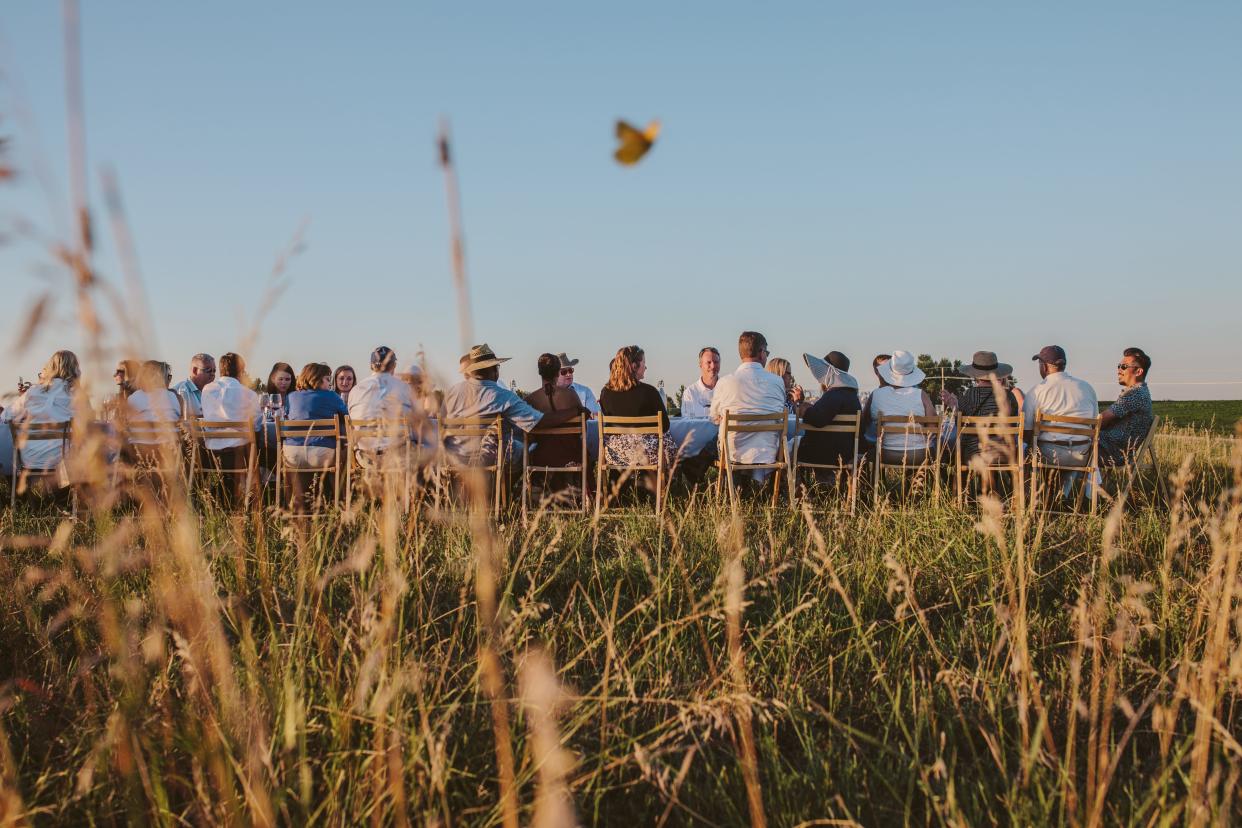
(1063, 395)
(381, 396)
(751, 389)
(190, 389)
(566, 380)
(696, 400)
(227, 399)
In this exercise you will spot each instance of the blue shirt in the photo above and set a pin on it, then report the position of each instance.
(188, 391)
(315, 405)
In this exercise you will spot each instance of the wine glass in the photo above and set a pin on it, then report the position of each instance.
(273, 403)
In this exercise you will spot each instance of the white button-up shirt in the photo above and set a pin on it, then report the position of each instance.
(51, 403)
(696, 400)
(587, 396)
(162, 406)
(228, 399)
(751, 389)
(381, 396)
(1064, 396)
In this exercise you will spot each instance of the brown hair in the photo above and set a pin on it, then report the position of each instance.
(1143, 360)
(549, 367)
(337, 374)
(232, 365)
(621, 369)
(751, 344)
(276, 369)
(312, 374)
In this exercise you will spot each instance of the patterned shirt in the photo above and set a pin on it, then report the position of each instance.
(1134, 418)
(980, 401)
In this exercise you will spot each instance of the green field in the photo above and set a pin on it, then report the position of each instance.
(1214, 415)
(917, 664)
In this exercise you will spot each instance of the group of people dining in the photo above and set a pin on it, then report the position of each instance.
(761, 384)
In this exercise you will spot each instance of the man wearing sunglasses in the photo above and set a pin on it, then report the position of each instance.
(1125, 424)
(566, 380)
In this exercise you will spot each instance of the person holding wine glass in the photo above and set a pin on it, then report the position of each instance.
(279, 383)
(344, 379)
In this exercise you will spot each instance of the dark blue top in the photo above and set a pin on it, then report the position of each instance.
(833, 447)
(315, 405)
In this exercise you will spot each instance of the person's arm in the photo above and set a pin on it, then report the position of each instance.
(823, 412)
(929, 410)
(659, 404)
(1109, 417)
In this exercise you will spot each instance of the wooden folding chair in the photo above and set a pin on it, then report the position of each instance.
(1086, 431)
(652, 425)
(1144, 457)
(731, 424)
(1000, 447)
(841, 424)
(576, 428)
(156, 448)
(471, 429)
(908, 425)
(25, 432)
(304, 430)
(398, 444)
(202, 430)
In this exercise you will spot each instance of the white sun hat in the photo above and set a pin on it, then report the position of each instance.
(902, 370)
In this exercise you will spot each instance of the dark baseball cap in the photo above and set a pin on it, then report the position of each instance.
(1051, 355)
(838, 360)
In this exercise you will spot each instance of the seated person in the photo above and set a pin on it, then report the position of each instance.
(382, 396)
(1065, 396)
(50, 400)
(553, 396)
(750, 390)
(228, 399)
(314, 399)
(901, 396)
(868, 437)
(280, 381)
(980, 400)
(480, 394)
(626, 395)
(343, 381)
(840, 396)
(190, 389)
(566, 380)
(793, 392)
(153, 402)
(696, 400)
(1124, 425)
(126, 376)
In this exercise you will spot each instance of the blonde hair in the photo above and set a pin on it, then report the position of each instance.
(779, 366)
(312, 374)
(621, 370)
(62, 365)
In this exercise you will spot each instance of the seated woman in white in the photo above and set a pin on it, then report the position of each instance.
(902, 397)
(154, 402)
(50, 400)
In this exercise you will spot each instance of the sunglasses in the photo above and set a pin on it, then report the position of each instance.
(1121, 366)
(567, 372)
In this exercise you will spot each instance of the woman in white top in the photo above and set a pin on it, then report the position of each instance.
(153, 402)
(902, 397)
(48, 401)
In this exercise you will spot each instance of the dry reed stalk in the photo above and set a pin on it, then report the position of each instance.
(543, 697)
(465, 322)
(734, 578)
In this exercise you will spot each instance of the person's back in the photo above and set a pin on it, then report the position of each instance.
(562, 450)
(381, 396)
(227, 399)
(981, 401)
(892, 401)
(315, 404)
(50, 402)
(833, 447)
(751, 389)
(155, 405)
(1064, 396)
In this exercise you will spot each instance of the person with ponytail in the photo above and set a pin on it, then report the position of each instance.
(550, 397)
(626, 395)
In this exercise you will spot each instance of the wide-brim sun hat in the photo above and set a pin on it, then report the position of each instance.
(902, 370)
(983, 365)
(827, 374)
(480, 357)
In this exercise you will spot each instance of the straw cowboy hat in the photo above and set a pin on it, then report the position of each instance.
(827, 374)
(480, 357)
(983, 365)
(901, 370)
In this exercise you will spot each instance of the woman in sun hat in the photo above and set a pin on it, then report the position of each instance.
(982, 398)
(901, 396)
(840, 396)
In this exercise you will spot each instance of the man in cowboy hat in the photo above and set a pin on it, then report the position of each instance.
(981, 400)
(480, 394)
(566, 380)
(840, 396)
(381, 396)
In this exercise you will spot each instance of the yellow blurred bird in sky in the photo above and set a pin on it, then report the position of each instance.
(633, 142)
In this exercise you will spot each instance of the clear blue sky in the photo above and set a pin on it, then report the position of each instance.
(864, 177)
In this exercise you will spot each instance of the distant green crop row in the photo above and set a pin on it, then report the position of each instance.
(1214, 415)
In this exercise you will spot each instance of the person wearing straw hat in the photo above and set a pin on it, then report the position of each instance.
(840, 396)
(901, 396)
(480, 394)
(980, 399)
(566, 380)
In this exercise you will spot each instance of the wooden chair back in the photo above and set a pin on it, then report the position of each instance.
(397, 434)
(23, 433)
(490, 426)
(1085, 432)
(841, 424)
(202, 430)
(331, 428)
(775, 423)
(927, 428)
(1000, 445)
(574, 428)
(615, 425)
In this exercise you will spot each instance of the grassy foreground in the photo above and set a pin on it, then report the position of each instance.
(916, 665)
